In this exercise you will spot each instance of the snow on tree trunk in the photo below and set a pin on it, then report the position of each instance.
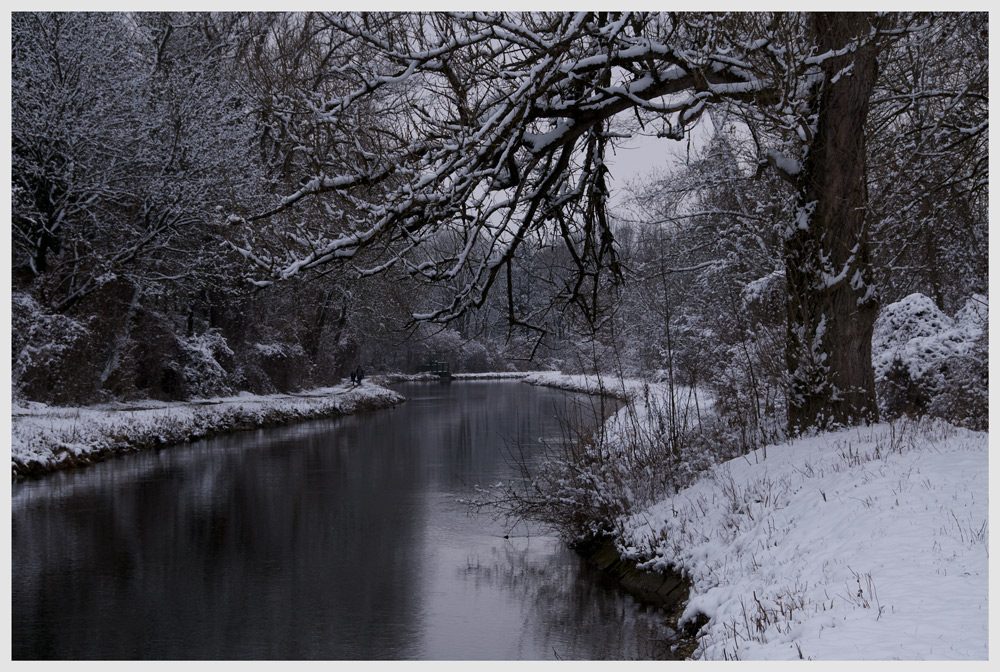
(831, 300)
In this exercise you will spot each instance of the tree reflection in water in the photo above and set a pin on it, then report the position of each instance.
(336, 540)
(572, 609)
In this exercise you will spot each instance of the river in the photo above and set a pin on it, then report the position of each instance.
(338, 539)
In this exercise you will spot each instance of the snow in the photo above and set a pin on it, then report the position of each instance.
(919, 334)
(541, 142)
(493, 375)
(868, 543)
(620, 388)
(45, 438)
(758, 290)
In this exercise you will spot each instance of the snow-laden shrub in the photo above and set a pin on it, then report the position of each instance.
(278, 350)
(588, 481)
(273, 366)
(913, 331)
(926, 361)
(962, 394)
(199, 365)
(50, 354)
(285, 365)
(902, 394)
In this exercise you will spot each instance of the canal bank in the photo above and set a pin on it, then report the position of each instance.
(45, 438)
(666, 589)
(863, 543)
(869, 542)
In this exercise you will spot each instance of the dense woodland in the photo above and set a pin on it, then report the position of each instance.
(211, 203)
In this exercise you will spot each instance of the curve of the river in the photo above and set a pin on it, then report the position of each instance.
(339, 539)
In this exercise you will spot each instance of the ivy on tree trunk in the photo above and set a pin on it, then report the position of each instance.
(831, 299)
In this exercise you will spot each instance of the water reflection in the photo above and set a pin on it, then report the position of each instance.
(229, 556)
(564, 608)
(332, 540)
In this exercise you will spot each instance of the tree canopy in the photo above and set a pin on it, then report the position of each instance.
(460, 163)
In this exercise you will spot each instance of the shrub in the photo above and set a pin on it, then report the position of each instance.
(284, 366)
(963, 396)
(198, 364)
(52, 355)
(901, 394)
(929, 363)
(590, 480)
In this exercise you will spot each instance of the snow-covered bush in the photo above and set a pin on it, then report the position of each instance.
(60, 359)
(900, 393)
(273, 366)
(928, 362)
(911, 331)
(964, 396)
(199, 364)
(588, 481)
(49, 354)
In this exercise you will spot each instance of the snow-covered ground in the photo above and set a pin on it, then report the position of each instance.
(495, 375)
(619, 388)
(869, 543)
(45, 438)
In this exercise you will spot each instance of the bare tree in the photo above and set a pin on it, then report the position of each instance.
(928, 170)
(125, 138)
(496, 128)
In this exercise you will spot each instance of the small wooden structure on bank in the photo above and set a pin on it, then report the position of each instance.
(440, 369)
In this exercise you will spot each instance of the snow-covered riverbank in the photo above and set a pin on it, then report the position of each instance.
(47, 438)
(866, 543)
(869, 543)
(618, 388)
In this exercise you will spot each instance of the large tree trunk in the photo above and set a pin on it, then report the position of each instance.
(831, 297)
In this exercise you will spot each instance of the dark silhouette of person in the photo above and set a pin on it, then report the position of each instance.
(361, 374)
(354, 377)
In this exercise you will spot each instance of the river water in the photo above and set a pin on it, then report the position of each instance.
(338, 539)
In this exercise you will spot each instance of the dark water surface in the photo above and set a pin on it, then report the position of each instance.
(338, 539)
